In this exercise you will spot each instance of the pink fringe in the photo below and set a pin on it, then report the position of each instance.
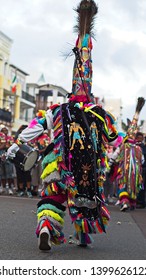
(61, 198)
(79, 98)
(33, 123)
(118, 141)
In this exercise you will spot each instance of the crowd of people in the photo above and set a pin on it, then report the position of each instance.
(13, 178)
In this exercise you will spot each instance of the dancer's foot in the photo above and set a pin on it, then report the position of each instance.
(124, 207)
(44, 239)
(83, 245)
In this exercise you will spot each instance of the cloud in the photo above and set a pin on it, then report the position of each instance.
(42, 32)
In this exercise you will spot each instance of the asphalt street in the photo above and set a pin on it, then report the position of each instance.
(125, 238)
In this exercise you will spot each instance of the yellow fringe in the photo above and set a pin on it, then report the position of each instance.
(77, 227)
(49, 169)
(133, 196)
(50, 214)
(123, 193)
(83, 228)
(50, 189)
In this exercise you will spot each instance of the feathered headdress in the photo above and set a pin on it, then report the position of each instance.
(133, 128)
(82, 71)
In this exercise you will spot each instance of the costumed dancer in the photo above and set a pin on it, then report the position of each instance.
(74, 165)
(129, 159)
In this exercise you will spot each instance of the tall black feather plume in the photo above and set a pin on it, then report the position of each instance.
(133, 128)
(86, 10)
(140, 104)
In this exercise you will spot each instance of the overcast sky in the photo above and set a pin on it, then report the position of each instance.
(42, 34)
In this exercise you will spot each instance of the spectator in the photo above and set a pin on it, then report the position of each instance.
(7, 167)
(2, 147)
(23, 177)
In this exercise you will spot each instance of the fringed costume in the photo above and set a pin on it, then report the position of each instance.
(74, 164)
(129, 159)
(129, 174)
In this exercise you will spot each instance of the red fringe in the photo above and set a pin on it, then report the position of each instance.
(54, 106)
(47, 224)
(98, 227)
(86, 226)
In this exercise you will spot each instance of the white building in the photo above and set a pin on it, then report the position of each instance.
(114, 106)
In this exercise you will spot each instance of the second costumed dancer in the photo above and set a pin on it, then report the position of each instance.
(128, 156)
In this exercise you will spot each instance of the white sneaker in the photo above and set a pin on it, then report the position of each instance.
(44, 242)
(117, 202)
(10, 192)
(124, 207)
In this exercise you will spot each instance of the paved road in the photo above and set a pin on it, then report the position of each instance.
(125, 238)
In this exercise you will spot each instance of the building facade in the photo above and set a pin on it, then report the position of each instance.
(114, 106)
(20, 106)
(5, 47)
(16, 107)
(49, 94)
